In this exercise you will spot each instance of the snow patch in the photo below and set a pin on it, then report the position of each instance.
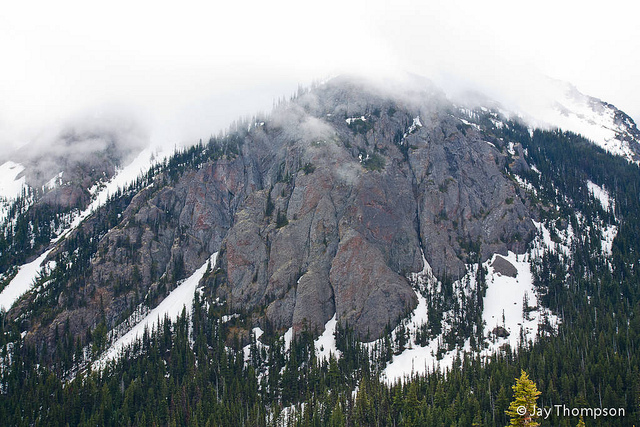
(468, 123)
(10, 185)
(416, 359)
(121, 180)
(510, 304)
(609, 233)
(246, 350)
(504, 305)
(227, 317)
(23, 282)
(561, 243)
(602, 195)
(355, 119)
(525, 184)
(288, 415)
(414, 126)
(497, 123)
(54, 182)
(325, 344)
(288, 339)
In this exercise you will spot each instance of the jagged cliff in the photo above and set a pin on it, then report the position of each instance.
(324, 207)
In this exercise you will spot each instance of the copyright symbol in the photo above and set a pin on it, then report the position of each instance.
(521, 410)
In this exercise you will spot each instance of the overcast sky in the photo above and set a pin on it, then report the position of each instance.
(186, 69)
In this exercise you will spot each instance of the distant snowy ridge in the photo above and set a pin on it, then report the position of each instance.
(567, 108)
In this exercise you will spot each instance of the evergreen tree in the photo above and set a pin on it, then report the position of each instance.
(522, 409)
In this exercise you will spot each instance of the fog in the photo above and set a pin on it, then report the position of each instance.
(185, 71)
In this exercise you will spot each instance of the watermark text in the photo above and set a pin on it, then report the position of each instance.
(567, 411)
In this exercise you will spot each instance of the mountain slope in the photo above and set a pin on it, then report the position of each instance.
(425, 237)
(327, 207)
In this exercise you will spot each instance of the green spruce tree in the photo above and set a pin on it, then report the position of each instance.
(522, 409)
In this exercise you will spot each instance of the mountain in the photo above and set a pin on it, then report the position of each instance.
(374, 225)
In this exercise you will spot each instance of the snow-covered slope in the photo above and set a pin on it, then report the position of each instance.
(22, 282)
(511, 315)
(123, 178)
(10, 184)
(171, 307)
(511, 303)
(602, 195)
(325, 344)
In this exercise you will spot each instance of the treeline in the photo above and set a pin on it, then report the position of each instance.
(182, 377)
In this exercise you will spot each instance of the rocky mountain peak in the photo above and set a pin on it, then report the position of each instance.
(323, 208)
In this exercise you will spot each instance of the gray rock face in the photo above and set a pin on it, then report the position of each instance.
(368, 294)
(326, 210)
(355, 228)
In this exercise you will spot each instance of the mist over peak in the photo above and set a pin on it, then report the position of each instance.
(114, 139)
(189, 71)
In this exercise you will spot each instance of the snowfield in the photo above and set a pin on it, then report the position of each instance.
(10, 185)
(504, 303)
(325, 344)
(602, 195)
(416, 359)
(609, 233)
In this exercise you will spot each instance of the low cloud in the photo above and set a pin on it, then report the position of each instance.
(68, 145)
(185, 72)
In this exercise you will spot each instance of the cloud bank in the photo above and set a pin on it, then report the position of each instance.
(186, 70)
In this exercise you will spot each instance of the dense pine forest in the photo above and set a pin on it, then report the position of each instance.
(194, 372)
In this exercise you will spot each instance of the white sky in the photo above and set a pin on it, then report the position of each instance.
(186, 69)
